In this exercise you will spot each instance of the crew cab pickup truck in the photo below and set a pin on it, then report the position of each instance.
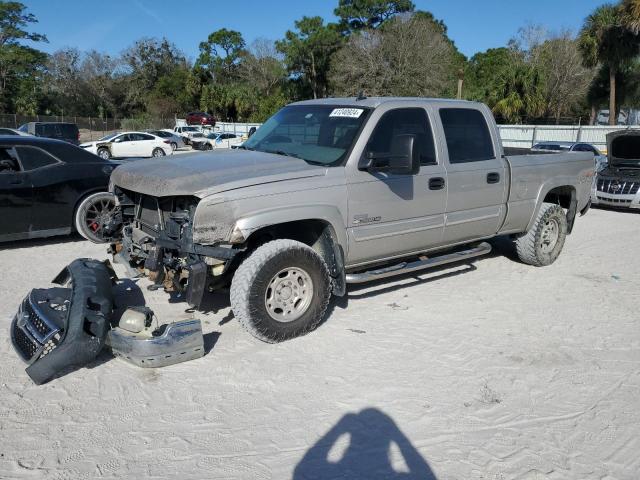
(337, 191)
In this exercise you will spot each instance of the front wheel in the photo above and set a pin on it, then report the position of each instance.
(93, 213)
(104, 153)
(542, 245)
(158, 152)
(281, 291)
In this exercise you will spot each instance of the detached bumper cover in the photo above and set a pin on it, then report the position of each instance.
(59, 328)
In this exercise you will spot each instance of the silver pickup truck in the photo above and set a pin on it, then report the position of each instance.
(337, 191)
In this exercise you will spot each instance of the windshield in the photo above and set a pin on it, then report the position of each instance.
(108, 137)
(319, 134)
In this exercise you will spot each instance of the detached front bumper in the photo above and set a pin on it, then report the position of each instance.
(59, 328)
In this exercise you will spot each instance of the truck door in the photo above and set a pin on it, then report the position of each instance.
(391, 214)
(476, 175)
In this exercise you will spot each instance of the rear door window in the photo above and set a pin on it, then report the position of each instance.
(404, 121)
(33, 158)
(467, 135)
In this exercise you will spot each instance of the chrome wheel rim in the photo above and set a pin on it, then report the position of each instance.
(103, 154)
(549, 235)
(158, 152)
(289, 294)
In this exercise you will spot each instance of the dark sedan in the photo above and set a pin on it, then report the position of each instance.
(49, 187)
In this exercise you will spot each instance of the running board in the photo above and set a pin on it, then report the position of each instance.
(407, 267)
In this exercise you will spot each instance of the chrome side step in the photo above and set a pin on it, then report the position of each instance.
(407, 267)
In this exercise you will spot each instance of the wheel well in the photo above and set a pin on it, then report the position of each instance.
(316, 233)
(565, 196)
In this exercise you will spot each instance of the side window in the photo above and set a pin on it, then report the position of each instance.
(8, 160)
(467, 135)
(33, 158)
(142, 136)
(404, 121)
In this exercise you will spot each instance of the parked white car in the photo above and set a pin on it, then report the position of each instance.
(217, 140)
(129, 144)
(176, 140)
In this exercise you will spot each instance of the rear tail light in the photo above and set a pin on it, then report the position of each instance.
(166, 141)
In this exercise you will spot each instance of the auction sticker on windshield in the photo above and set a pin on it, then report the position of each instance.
(346, 112)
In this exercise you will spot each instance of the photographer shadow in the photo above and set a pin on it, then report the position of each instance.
(375, 449)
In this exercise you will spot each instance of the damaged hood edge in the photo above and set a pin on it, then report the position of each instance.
(209, 173)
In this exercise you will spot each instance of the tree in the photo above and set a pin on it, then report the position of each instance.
(360, 14)
(631, 15)
(604, 40)
(308, 52)
(566, 80)
(145, 63)
(20, 66)
(484, 73)
(221, 54)
(263, 67)
(410, 56)
(520, 94)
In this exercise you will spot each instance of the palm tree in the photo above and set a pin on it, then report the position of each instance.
(604, 40)
(631, 15)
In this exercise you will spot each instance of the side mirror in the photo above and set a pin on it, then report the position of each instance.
(403, 158)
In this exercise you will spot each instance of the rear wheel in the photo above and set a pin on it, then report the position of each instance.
(281, 291)
(542, 245)
(158, 152)
(174, 146)
(93, 213)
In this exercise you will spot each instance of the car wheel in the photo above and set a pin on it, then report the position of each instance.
(542, 245)
(92, 214)
(104, 153)
(208, 146)
(158, 152)
(281, 291)
(174, 146)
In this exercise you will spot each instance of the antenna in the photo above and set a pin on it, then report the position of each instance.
(361, 96)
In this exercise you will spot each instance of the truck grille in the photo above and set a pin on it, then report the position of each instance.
(34, 329)
(617, 187)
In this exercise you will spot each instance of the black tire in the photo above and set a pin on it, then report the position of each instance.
(90, 215)
(208, 146)
(537, 247)
(104, 153)
(158, 152)
(252, 287)
(174, 146)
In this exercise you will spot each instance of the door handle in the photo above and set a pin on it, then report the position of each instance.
(436, 183)
(493, 177)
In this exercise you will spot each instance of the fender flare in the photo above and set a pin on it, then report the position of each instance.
(544, 190)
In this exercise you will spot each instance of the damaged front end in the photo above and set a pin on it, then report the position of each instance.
(156, 240)
(66, 327)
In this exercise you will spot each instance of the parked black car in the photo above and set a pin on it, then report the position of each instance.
(57, 130)
(49, 187)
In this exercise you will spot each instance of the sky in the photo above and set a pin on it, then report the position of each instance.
(113, 25)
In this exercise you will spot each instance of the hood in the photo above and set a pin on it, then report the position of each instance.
(202, 174)
(623, 148)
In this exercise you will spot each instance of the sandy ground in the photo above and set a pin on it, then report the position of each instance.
(494, 370)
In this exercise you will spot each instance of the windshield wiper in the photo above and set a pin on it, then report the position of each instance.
(283, 153)
(245, 148)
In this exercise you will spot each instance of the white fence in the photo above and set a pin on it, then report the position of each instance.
(525, 136)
